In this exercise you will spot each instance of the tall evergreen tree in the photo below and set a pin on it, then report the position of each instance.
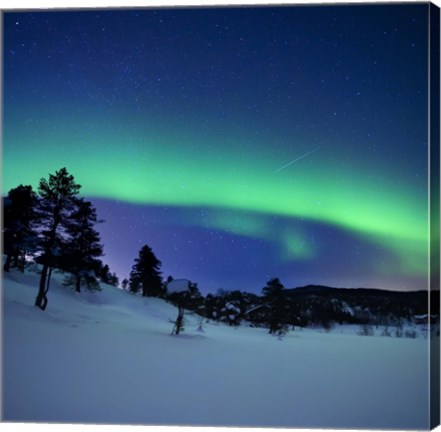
(104, 274)
(82, 253)
(195, 300)
(274, 297)
(57, 203)
(146, 275)
(19, 217)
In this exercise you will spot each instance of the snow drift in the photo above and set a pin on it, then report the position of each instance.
(108, 357)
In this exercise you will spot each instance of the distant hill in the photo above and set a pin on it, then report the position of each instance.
(359, 305)
(323, 306)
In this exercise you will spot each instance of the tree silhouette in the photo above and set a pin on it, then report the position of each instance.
(113, 280)
(107, 277)
(56, 205)
(104, 274)
(146, 275)
(181, 292)
(19, 218)
(195, 300)
(82, 252)
(274, 297)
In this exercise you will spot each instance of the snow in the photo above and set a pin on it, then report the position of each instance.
(255, 308)
(108, 357)
(232, 308)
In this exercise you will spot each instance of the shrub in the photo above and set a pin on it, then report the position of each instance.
(366, 330)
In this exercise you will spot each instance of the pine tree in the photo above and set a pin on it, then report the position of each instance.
(113, 280)
(146, 275)
(84, 249)
(195, 300)
(19, 216)
(275, 299)
(57, 203)
(106, 276)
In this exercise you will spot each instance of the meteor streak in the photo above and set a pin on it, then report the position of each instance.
(295, 160)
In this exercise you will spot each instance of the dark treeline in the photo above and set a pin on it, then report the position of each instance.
(55, 228)
(280, 309)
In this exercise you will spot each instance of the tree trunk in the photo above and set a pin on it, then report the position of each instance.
(178, 323)
(41, 299)
(21, 261)
(42, 287)
(78, 284)
(8, 261)
(15, 257)
(48, 279)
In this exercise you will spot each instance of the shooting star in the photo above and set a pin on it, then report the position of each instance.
(295, 160)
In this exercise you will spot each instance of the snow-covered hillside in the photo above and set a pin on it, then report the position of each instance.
(108, 357)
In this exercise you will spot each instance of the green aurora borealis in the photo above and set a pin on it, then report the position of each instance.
(158, 171)
(147, 143)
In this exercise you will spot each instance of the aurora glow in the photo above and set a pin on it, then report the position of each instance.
(197, 110)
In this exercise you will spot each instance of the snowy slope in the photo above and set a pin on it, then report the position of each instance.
(108, 357)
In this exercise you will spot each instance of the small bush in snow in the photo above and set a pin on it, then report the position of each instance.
(200, 325)
(386, 331)
(281, 332)
(410, 334)
(328, 325)
(399, 330)
(366, 330)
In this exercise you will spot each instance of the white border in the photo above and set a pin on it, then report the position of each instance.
(43, 4)
(6, 5)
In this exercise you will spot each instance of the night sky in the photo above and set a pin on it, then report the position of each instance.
(239, 143)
